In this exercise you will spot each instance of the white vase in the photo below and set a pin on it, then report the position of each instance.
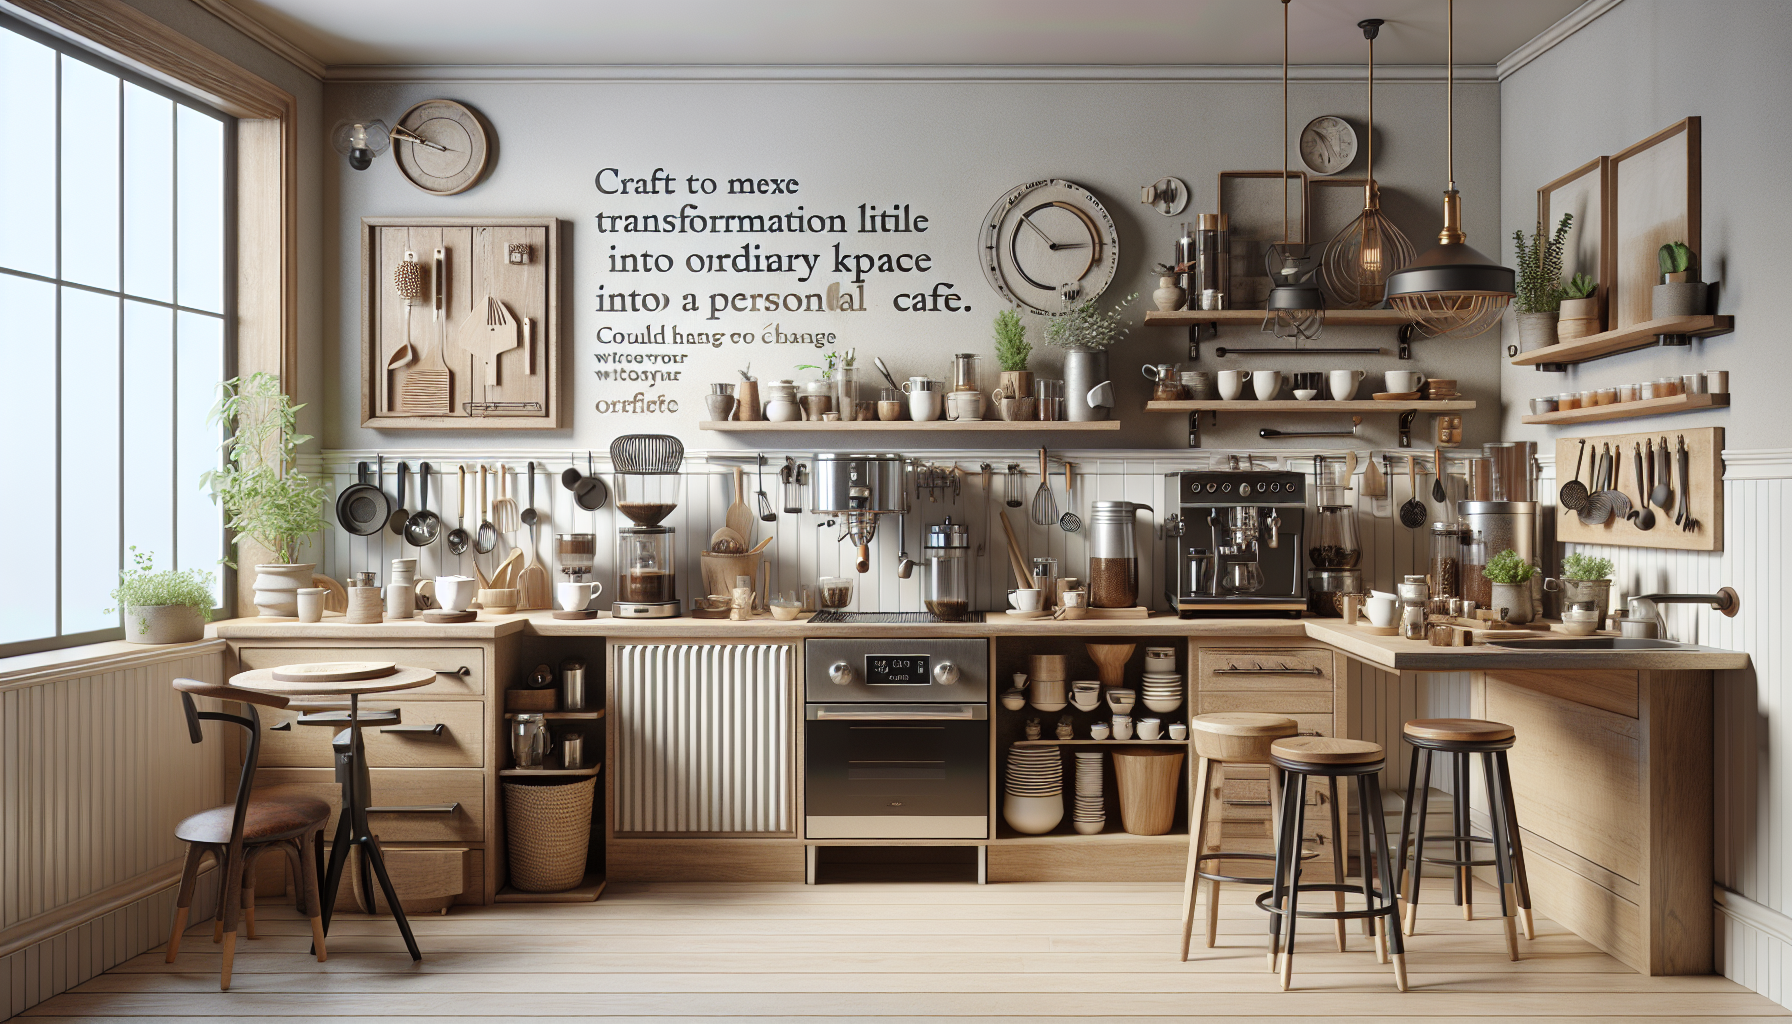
(277, 589)
(163, 624)
(1536, 330)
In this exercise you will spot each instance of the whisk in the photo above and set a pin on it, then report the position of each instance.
(1045, 507)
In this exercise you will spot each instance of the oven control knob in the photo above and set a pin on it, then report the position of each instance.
(842, 674)
(945, 673)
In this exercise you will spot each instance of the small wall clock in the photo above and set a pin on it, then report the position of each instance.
(1327, 144)
(450, 147)
(1049, 245)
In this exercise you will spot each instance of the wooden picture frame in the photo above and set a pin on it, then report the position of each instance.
(1653, 198)
(519, 388)
(1250, 235)
(1586, 193)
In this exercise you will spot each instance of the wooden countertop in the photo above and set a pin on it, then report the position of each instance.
(1390, 653)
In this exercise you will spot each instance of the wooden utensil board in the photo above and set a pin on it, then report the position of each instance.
(1705, 469)
(476, 251)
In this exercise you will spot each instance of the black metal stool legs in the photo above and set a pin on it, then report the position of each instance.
(1385, 868)
(1522, 883)
(1415, 868)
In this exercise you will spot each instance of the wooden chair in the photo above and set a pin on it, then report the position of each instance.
(239, 833)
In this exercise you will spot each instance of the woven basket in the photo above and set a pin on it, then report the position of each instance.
(549, 828)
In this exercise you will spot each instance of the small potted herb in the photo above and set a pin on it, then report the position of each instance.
(1539, 300)
(1580, 309)
(1511, 578)
(817, 396)
(1586, 579)
(1680, 292)
(1012, 352)
(166, 607)
(1086, 334)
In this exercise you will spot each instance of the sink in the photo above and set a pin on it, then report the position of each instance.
(1589, 643)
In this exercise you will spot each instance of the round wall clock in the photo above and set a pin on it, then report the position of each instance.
(449, 151)
(1049, 245)
(1327, 144)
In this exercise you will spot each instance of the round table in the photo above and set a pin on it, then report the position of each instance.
(351, 769)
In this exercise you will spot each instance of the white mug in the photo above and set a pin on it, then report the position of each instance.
(456, 593)
(923, 406)
(964, 405)
(1381, 611)
(1343, 383)
(1099, 730)
(311, 606)
(1231, 384)
(576, 597)
(1150, 728)
(1401, 382)
(1025, 600)
(1267, 384)
(1178, 730)
(915, 384)
(1123, 727)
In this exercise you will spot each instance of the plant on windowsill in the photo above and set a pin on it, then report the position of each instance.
(1539, 300)
(1012, 352)
(166, 607)
(261, 490)
(1511, 577)
(1086, 334)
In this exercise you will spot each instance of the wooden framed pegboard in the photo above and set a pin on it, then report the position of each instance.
(1704, 446)
(489, 358)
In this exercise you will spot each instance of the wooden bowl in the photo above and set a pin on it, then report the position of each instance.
(499, 602)
(1110, 661)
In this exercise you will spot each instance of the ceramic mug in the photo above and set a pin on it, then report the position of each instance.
(1159, 371)
(1267, 384)
(455, 593)
(1381, 611)
(1344, 383)
(1231, 384)
(1099, 730)
(1025, 600)
(1150, 728)
(963, 405)
(311, 605)
(577, 597)
(917, 384)
(1123, 727)
(1178, 730)
(923, 406)
(1401, 382)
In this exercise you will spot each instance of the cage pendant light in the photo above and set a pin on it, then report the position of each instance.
(1296, 308)
(1359, 258)
(1452, 289)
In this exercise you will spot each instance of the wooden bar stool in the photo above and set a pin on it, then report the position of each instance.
(1457, 739)
(1301, 757)
(1228, 738)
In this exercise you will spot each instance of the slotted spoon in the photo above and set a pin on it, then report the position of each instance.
(1573, 496)
(457, 537)
(1045, 507)
(1069, 522)
(1412, 513)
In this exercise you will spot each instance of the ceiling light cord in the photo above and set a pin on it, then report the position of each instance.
(1284, 122)
(1450, 96)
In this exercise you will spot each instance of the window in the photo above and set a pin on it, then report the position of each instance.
(116, 201)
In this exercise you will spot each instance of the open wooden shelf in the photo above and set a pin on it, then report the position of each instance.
(900, 426)
(1315, 406)
(1632, 410)
(546, 773)
(1333, 317)
(1066, 832)
(580, 716)
(1594, 346)
(1159, 742)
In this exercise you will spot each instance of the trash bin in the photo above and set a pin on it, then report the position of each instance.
(1148, 778)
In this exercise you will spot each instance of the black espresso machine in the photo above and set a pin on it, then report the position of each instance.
(1234, 542)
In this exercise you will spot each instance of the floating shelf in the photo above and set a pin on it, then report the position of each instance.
(900, 426)
(1632, 410)
(582, 716)
(1333, 317)
(1161, 742)
(1595, 346)
(545, 773)
(1316, 406)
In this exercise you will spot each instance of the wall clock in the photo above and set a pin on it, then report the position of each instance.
(1049, 245)
(450, 150)
(1327, 144)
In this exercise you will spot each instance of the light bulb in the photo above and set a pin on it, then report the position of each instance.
(360, 154)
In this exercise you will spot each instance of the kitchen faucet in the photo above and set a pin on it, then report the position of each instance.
(1726, 600)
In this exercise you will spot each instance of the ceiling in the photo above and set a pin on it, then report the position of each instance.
(875, 32)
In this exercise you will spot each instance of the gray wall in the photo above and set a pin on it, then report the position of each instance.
(947, 149)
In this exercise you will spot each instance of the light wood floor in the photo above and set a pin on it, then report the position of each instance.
(839, 952)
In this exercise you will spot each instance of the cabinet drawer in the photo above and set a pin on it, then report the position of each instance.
(1271, 668)
(460, 744)
(420, 792)
(460, 671)
(1275, 702)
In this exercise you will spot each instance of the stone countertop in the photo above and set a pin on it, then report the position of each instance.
(1390, 653)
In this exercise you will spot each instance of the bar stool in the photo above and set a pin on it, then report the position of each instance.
(1301, 757)
(1228, 738)
(1458, 738)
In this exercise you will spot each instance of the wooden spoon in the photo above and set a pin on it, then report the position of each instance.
(505, 577)
(739, 518)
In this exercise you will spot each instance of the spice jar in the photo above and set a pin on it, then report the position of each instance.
(1414, 595)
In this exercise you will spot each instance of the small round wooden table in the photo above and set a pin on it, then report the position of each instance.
(326, 680)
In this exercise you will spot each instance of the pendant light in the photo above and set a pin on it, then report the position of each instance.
(1295, 308)
(1452, 289)
(1359, 258)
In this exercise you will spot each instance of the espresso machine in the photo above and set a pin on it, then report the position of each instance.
(1234, 541)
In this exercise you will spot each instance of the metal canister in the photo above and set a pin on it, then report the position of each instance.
(1113, 554)
(573, 695)
(1493, 527)
(572, 750)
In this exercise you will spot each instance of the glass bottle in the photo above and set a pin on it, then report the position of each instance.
(1414, 596)
(1446, 560)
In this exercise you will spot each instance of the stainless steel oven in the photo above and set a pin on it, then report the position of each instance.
(896, 739)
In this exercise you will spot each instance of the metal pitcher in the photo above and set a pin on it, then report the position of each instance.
(529, 741)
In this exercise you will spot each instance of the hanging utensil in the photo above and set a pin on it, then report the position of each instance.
(1681, 455)
(1599, 503)
(1069, 522)
(532, 582)
(530, 517)
(1437, 477)
(570, 476)
(362, 508)
(791, 477)
(424, 526)
(429, 388)
(407, 280)
(591, 493)
(1573, 496)
(399, 517)
(1412, 513)
(738, 517)
(1620, 501)
(487, 537)
(1015, 487)
(457, 537)
(504, 510)
(1045, 507)
(1375, 485)
(1643, 516)
(766, 515)
(1662, 495)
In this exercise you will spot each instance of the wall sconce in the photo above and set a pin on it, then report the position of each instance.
(360, 141)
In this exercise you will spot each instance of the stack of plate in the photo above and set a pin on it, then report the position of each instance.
(1091, 809)
(1033, 800)
(1162, 691)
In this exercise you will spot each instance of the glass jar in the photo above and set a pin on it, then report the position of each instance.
(646, 573)
(1606, 396)
(1045, 578)
(1414, 597)
(1327, 588)
(1213, 257)
(964, 372)
(1335, 544)
(1446, 560)
(948, 571)
(1568, 400)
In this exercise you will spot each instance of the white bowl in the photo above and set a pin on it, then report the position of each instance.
(1306, 394)
(1090, 828)
(1163, 707)
(1033, 815)
(1014, 700)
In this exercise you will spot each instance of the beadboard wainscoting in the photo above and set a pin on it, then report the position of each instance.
(95, 771)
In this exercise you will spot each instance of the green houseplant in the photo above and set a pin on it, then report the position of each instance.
(1539, 299)
(1586, 579)
(1580, 309)
(264, 496)
(1680, 292)
(1012, 352)
(1086, 333)
(166, 607)
(1511, 577)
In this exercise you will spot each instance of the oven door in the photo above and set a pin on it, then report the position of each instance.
(896, 771)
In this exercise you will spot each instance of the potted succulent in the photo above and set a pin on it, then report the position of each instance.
(1580, 309)
(1169, 295)
(1585, 579)
(1012, 352)
(261, 489)
(1086, 334)
(166, 607)
(1680, 292)
(1539, 299)
(1511, 578)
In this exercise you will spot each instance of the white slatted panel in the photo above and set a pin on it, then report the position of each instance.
(703, 737)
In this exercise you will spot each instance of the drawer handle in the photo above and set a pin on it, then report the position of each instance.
(282, 727)
(1283, 671)
(368, 717)
(417, 809)
(461, 671)
(433, 730)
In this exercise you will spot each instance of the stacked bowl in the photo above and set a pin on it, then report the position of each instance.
(1091, 809)
(1050, 688)
(1161, 691)
(1033, 799)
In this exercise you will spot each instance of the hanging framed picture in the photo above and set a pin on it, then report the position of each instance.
(1654, 199)
(1583, 192)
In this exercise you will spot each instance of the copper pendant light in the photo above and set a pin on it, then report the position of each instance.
(1359, 258)
(1452, 289)
(1295, 308)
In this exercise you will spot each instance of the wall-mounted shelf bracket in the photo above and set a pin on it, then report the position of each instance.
(1195, 333)
(1406, 418)
(1194, 428)
(1405, 336)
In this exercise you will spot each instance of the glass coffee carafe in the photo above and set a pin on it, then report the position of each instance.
(1334, 543)
(646, 580)
(948, 571)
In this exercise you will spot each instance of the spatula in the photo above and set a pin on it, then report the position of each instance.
(533, 581)
(428, 387)
(505, 514)
(739, 517)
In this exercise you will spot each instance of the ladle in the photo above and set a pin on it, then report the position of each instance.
(457, 537)
(1662, 494)
(399, 516)
(530, 517)
(424, 526)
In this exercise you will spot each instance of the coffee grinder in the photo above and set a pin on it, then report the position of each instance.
(647, 490)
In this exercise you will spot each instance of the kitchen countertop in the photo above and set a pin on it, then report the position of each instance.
(1390, 653)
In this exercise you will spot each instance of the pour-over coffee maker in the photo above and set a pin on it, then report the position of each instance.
(647, 489)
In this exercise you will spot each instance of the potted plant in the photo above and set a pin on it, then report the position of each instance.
(166, 607)
(1169, 295)
(1580, 309)
(1680, 292)
(264, 496)
(1511, 579)
(1539, 299)
(1086, 334)
(1585, 579)
(746, 394)
(817, 396)
(1012, 352)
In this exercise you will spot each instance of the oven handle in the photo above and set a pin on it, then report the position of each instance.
(895, 712)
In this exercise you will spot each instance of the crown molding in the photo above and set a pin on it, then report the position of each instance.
(522, 74)
(285, 48)
(1552, 36)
